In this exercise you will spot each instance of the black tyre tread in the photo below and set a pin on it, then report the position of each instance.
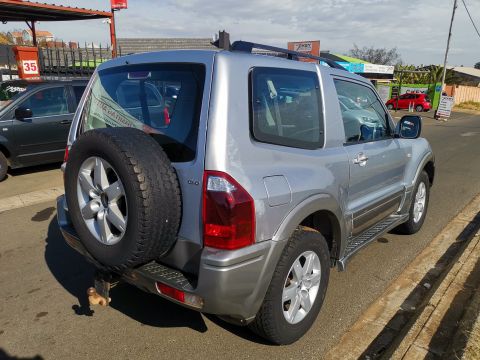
(409, 227)
(264, 323)
(3, 167)
(152, 183)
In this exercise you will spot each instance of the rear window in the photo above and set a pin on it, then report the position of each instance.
(9, 91)
(163, 100)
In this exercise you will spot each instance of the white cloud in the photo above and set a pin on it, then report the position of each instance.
(418, 28)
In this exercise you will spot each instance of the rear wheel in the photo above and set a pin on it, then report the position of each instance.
(297, 289)
(390, 107)
(3, 166)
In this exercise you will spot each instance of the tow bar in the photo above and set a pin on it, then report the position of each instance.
(99, 294)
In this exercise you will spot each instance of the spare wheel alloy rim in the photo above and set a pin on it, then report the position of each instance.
(102, 200)
(301, 287)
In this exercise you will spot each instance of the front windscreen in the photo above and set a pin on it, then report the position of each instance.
(164, 100)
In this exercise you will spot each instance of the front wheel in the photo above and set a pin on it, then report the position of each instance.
(297, 289)
(419, 108)
(390, 107)
(418, 207)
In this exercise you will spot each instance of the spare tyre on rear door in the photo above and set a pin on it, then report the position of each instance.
(123, 196)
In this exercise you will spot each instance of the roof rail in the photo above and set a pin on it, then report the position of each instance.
(247, 46)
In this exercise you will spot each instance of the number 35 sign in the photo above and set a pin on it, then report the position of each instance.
(30, 67)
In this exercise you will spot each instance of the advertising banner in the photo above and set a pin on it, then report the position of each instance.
(118, 4)
(306, 47)
(445, 106)
(413, 90)
(378, 69)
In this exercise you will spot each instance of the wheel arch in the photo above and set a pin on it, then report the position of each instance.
(6, 152)
(430, 170)
(320, 212)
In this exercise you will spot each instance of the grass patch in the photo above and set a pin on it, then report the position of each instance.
(469, 105)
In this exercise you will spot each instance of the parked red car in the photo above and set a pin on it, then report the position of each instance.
(420, 102)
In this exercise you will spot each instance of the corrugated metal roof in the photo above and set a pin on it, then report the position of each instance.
(11, 10)
(466, 70)
(137, 45)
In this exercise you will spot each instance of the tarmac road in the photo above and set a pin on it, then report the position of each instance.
(43, 282)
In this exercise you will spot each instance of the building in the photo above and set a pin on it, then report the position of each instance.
(15, 37)
(374, 72)
(137, 45)
(25, 36)
(468, 76)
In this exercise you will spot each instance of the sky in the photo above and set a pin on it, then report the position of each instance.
(418, 29)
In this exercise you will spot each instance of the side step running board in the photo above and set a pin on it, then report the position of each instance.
(356, 243)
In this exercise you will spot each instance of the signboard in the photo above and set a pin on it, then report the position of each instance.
(306, 47)
(361, 68)
(445, 106)
(118, 4)
(378, 69)
(413, 90)
(30, 67)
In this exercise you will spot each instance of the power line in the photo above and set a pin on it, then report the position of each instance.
(470, 16)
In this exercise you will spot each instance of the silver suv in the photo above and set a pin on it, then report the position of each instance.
(231, 182)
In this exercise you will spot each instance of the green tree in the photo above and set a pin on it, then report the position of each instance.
(477, 65)
(433, 75)
(4, 40)
(381, 56)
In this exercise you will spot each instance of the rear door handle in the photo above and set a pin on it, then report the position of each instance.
(361, 159)
(65, 122)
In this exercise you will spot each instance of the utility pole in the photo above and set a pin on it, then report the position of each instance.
(448, 45)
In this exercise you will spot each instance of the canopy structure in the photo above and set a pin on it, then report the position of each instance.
(31, 12)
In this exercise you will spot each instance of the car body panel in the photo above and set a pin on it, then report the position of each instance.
(41, 139)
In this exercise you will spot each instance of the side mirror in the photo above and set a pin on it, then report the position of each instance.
(23, 113)
(409, 127)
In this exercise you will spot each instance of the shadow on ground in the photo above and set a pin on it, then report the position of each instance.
(5, 356)
(75, 274)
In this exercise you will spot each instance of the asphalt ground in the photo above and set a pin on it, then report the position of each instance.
(43, 304)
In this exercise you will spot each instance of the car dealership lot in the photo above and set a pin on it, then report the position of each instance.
(43, 307)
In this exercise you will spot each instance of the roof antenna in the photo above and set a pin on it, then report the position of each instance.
(223, 41)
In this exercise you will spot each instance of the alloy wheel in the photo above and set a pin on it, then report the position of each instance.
(102, 200)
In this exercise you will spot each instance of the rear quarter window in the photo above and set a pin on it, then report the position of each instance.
(286, 108)
(164, 100)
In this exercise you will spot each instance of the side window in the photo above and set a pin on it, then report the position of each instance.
(364, 118)
(78, 90)
(286, 108)
(48, 102)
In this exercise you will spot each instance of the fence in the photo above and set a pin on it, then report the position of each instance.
(59, 61)
(463, 93)
(72, 62)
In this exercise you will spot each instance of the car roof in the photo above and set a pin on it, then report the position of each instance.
(27, 82)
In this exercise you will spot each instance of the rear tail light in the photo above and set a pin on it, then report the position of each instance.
(179, 295)
(166, 116)
(228, 213)
(65, 156)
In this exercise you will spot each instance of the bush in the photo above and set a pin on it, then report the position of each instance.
(470, 105)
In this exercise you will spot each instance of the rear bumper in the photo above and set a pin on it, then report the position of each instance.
(230, 283)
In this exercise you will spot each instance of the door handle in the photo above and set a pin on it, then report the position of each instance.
(361, 159)
(65, 122)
